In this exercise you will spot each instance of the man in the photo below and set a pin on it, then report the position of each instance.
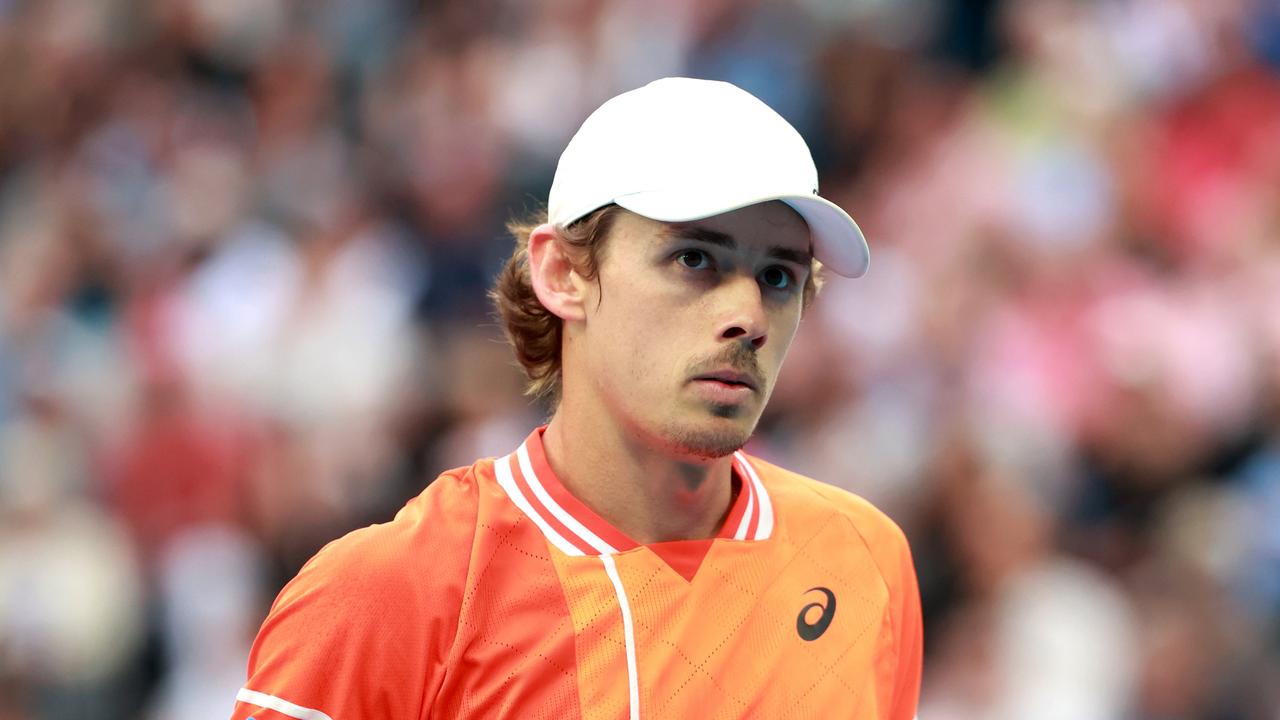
(628, 560)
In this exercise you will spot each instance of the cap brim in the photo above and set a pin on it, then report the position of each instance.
(838, 242)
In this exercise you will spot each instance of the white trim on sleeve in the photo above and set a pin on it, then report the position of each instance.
(284, 707)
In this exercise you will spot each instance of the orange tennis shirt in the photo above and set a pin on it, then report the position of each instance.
(496, 593)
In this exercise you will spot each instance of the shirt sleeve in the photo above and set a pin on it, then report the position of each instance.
(899, 665)
(910, 637)
(365, 629)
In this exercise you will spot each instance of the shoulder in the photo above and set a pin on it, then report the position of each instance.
(875, 542)
(804, 499)
(410, 571)
(432, 530)
(366, 627)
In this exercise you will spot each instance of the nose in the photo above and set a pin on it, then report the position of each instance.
(743, 317)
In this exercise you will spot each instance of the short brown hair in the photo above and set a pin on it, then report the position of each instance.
(534, 331)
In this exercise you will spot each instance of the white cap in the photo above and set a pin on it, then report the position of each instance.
(680, 149)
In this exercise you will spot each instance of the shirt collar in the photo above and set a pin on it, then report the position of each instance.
(527, 478)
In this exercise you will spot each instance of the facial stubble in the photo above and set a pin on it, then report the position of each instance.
(716, 439)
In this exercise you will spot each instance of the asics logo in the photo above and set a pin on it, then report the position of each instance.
(810, 631)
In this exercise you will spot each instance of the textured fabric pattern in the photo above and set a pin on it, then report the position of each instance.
(464, 607)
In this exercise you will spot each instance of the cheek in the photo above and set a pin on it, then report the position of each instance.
(628, 333)
(787, 328)
(649, 335)
(782, 332)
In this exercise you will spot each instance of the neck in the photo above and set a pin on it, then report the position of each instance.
(649, 496)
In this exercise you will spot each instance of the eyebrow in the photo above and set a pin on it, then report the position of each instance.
(725, 240)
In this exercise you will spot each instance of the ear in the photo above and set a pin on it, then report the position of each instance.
(557, 284)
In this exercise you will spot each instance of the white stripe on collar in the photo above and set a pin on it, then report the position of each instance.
(502, 469)
(549, 503)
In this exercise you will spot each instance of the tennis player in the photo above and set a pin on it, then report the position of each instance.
(628, 560)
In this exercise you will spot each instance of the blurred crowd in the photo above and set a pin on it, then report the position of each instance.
(244, 247)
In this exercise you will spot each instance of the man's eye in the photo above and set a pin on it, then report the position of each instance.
(776, 277)
(694, 259)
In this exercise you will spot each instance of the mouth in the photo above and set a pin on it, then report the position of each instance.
(729, 378)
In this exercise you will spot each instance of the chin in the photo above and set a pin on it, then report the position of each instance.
(710, 440)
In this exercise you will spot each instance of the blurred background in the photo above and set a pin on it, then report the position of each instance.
(244, 247)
